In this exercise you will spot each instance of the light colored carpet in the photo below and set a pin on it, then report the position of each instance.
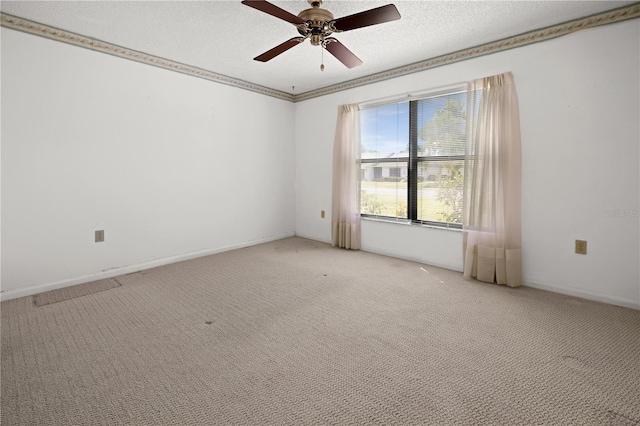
(297, 332)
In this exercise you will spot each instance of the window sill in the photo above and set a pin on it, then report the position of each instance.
(409, 223)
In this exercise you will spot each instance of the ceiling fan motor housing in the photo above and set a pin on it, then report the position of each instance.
(316, 23)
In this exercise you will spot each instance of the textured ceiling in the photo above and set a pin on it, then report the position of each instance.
(224, 36)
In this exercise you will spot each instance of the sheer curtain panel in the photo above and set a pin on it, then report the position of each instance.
(492, 235)
(345, 213)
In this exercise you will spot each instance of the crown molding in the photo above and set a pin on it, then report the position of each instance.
(622, 14)
(604, 18)
(46, 31)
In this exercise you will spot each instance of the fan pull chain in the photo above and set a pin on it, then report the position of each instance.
(322, 62)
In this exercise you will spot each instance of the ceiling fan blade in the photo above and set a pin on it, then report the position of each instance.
(341, 53)
(270, 54)
(375, 16)
(273, 10)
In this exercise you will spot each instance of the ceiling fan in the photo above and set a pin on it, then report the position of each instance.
(318, 24)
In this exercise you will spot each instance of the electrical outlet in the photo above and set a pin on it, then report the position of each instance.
(99, 236)
(322, 214)
(581, 247)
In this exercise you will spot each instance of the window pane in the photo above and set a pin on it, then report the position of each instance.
(440, 185)
(384, 135)
(442, 124)
(384, 189)
(385, 131)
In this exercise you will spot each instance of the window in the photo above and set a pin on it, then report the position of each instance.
(412, 160)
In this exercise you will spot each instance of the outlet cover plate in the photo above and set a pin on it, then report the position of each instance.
(581, 247)
(99, 236)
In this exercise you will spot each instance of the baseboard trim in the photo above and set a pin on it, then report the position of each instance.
(442, 265)
(596, 297)
(114, 272)
(314, 238)
(128, 269)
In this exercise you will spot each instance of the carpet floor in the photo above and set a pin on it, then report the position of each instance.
(297, 332)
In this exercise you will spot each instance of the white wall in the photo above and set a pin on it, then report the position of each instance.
(155, 159)
(170, 166)
(579, 104)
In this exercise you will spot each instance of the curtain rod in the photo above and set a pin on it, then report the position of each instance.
(433, 91)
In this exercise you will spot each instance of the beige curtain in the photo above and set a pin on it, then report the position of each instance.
(492, 235)
(345, 214)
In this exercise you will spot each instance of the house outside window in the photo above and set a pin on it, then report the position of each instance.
(412, 160)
